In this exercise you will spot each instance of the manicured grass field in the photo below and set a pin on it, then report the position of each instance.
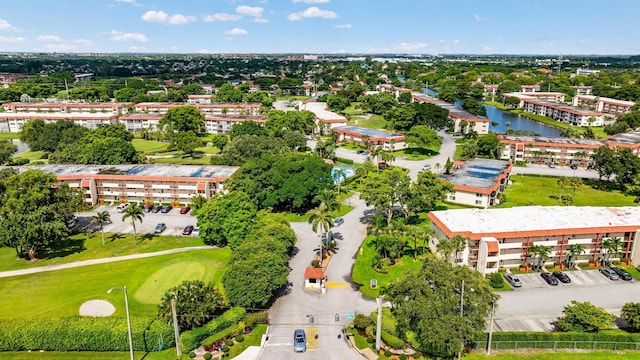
(169, 354)
(60, 293)
(416, 154)
(78, 248)
(370, 121)
(363, 271)
(31, 155)
(537, 190)
(252, 339)
(9, 135)
(149, 146)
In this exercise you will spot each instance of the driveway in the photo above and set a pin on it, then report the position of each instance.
(536, 305)
(294, 310)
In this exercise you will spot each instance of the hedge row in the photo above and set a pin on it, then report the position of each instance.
(392, 340)
(541, 340)
(191, 339)
(84, 334)
(344, 161)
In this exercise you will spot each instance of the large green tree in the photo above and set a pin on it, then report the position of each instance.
(424, 137)
(386, 192)
(426, 304)
(584, 317)
(227, 219)
(7, 148)
(197, 303)
(182, 119)
(631, 314)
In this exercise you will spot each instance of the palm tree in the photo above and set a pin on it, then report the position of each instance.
(328, 198)
(562, 182)
(438, 166)
(376, 153)
(574, 250)
(100, 219)
(135, 213)
(445, 248)
(540, 253)
(458, 243)
(376, 227)
(416, 233)
(575, 183)
(339, 175)
(612, 246)
(387, 156)
(321, 218)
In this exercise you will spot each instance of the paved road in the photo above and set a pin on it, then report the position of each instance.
(174, 221)
(535, 305)
(290, 312)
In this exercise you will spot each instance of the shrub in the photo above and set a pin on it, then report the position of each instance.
(207, 356)
(361, 321)
(239, 338)
(392, 340)
(496, 280)
(225, 349)
(371, 340)
(403, 357)
(191, 339)
(344, 161)
(191, 355)
(229, 342)
(387, 353)
(315, 263)
(252, 319)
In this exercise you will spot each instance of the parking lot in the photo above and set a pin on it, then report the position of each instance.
(536, 305)
(174, 221)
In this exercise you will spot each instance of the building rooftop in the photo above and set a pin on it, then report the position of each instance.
(479, 173)
(606, 100)
(630, 138)
(369, 132)
(551, 140)
(455, 110)
(320, 109)
(523, 219)
(187, 171)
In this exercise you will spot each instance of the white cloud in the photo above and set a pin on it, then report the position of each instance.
(478, 17)
(260, 20)
(83, 42)
(8, 39)
(132, 2)
(487, 48)
(342, 26)
(250, 11)
(221, 17)
(311, 1)
(236, 31)
(312, 12)
(49, 38)
(164, 18)
(5, 26)
(122, 36)
(410, 46)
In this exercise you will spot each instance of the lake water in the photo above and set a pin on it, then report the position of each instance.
(506, 121)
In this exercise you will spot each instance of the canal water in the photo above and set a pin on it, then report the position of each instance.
(506, 120)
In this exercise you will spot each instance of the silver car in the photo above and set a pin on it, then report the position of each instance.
(299, 341)
(513, 280)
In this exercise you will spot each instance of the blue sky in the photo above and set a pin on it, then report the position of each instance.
(322, 26)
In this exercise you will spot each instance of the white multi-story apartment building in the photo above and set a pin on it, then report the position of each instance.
(602, 104)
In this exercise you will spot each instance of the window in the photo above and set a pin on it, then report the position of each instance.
(478, 202)
(452, 197)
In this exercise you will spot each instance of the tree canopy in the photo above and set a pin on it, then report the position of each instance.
(584, 317)
(426, 303)
(182, 119)
(197, 303)
(227, 219)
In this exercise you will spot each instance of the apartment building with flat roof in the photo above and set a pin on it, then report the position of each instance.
(13, 122)
(457, 116)
(392, 90)
(502, 238)
(214, 124)
(388, 141)
(325, 120)
(142, 183)
(477, 182)
(605, 105)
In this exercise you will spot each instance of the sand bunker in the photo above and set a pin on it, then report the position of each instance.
(97, 308)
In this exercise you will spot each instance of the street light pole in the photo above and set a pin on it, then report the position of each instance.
(126, 306)
(493, 305)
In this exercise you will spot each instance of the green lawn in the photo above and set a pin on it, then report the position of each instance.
(416, 154)
(252, 339)
(370, 121)
(597, 130)
(149, 146)
(537, 190)
(204, 160)
(31, 155)
(555, 356)
(60, 293)
(9, 135)
(78, 248)
(363, 271)
(168, 354)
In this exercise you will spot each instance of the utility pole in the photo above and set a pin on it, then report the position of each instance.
(493, 306)
(176, 330)
(379, 325)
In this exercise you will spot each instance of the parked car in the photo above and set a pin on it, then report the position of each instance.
(122, 207)
(71, 220)
(338, 221)
(156, 209)
(574, 166)
(185, 210)
(552, 165)
(608, 272)
(160, 228)
(549, 278)
(563, 277)
(426, 167)
(166, 209)
(147, 208)
(187, 230)
(362, 152)
(299, 341)
(622, 273)
(195, 232)
(513, 280)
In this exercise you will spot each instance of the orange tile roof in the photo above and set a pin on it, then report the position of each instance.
(313, 273)
(492, 246)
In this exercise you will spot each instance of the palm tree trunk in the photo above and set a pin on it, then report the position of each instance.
(102, 229)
